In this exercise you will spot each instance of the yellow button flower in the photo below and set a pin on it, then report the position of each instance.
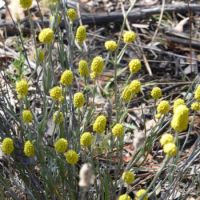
(170, 149)
(22, 88)
(166, 138)
(197, 93)
(180, 118)
(7, 146)
(83, 68)
(129, 36)
(67, 78)
(128, 177)
(97, 65)
(29, 149)
(177, 103)
(27, 116)
(134, 65)
(71, 13)
(118, 130)
(71, 157)
(100, 124)
(46, 36)
(156, 93)
(111, 45)
(135, 86)
(141, 193)
(56, 93)
(127, 94)
(124, 197)
(61, 145)
(163, 107)
(195, 106)
(78, 100)
(86, 139)
(25, 4)
(80, 34)
(58, 117)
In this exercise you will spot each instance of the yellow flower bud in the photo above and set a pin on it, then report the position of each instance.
(79, 100)
(61, 145)
(22, 88)
(80, 34)
(128, 177)
(86, 139)
(25, 4)
(99, 125)
(134, 65)
(29, 149)
(7, 146)
(118, 130)
(156, 93)
(27, 116)
(58, 117)
(46, 36)
(170, 149)
(67, 78)
(71, 13)
(56, 93)
(129, 36)
(141, 193)
(124, 197)
(195, 106)
(163, 107)
(127, 94)
(135, 86)
(166, 138)
(177, 103)
(83, 68)
(111, 45)
(71, 157)
(97, 65)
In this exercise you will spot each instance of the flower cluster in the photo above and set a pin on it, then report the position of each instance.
(56, 93)
(86, 139)
(7, 146)
(46, 36)
(71, 157)
(100, 124)
(129, 36)
(79, 100)
(111, 45)
(22, 88)
(83, 68)
(27, 116)
(134, 65)
(180, 118)
(66, 78)
(25, 4)
(128, 177)
(97, 66)
(61, 145)
(156, 93)
(72, 15)
(80, 34)
(118, 130)
(163, 107)
(29, 149)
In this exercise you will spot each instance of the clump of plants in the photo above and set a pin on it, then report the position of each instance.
(56, 133)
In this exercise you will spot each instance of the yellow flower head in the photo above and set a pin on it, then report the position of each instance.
(128, 177)
(100, 124)
(58, 117)
(80, 34)
(135, 86)
(71, 13)
(46, 36)
(7, 146)
(134, 65)
(61, 145)
(197, 93)
(66, 78)
(166, 138)
(127, 94)
(156, 93)
(97, 65)
(124, 197)
(79, 100)
(25, 4)
(195, 106)
(29, 149)
(56, 93)
(83, 68)
(111, 45)
(163, 107)
(177, 103)
(86, 139)
(71, 157)
(180, 118)
(170, 149)
(27, 116)
(118, 130)
(22, 88)
(141, 193)
(129, 36)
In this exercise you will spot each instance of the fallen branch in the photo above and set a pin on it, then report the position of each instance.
(116, 17)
